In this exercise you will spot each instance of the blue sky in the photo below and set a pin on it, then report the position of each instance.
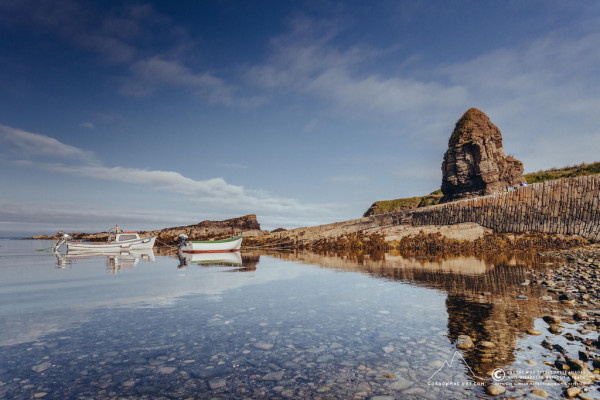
(160, 113)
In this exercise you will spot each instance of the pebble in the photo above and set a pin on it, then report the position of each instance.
(534, 332)
(263, 346)
(273, 376)
(414, 391)
(585, 396)
(557, 330)
(539, 393)
(572, 391)
(42, 366)
(400, 384)
(551, 319)
(217, 383)
(464, 342)
(495, 389)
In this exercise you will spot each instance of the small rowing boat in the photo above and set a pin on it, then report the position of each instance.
(209, 246)
(118, 240)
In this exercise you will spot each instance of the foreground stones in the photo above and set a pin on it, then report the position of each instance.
(495, 390)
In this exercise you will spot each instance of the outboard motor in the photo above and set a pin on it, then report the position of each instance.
(61, 240)
(183, 240)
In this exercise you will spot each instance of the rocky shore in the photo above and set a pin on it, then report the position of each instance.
(572, 331)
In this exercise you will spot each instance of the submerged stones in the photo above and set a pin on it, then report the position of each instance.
(464, 342)
(495, 389)
(475, 163)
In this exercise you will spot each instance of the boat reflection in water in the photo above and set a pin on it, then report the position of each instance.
(234, 259)
(115, 261)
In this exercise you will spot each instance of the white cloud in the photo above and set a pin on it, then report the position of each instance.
(87, 125)
(155, 72)
(216, 192)
(19, 142)
(307, 61)
(150, 73)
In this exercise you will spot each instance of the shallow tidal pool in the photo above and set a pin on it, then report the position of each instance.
(278, 325)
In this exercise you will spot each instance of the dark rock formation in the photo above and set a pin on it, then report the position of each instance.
(475, 164)
(205, 230)
(247, 225)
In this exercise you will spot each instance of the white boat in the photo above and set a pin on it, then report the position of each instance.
(118, 240)
(210, 246)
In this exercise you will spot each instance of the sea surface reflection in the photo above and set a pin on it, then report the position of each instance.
(287, 325)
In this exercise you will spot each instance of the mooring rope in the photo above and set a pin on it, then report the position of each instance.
(166, 245)
(47, 248)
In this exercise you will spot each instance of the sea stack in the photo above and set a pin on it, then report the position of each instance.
(475, 163)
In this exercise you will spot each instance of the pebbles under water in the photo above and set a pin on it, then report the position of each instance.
(287, 326)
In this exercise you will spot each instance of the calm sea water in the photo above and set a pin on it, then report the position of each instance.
(280, 325)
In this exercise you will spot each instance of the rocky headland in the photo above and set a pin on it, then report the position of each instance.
(481, 206)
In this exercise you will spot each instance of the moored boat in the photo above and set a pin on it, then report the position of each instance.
(209, 246)
(118, 240)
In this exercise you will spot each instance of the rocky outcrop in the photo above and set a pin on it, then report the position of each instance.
(247, 225)
(475, 163)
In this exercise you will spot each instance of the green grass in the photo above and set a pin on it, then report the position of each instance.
(386, 206)
(565, 172)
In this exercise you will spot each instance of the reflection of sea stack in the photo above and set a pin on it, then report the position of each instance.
(475, 164)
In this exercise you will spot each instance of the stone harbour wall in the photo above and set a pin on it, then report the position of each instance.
(566, 207)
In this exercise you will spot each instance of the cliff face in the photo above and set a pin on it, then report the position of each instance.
(475, 163)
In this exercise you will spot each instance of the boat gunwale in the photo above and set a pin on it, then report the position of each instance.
(82, 245)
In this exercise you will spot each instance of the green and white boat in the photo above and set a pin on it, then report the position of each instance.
(210, 246)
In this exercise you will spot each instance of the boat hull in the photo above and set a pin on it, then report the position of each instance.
(136, 244)
(217, 246)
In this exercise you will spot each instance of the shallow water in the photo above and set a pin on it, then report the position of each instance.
(288, 325)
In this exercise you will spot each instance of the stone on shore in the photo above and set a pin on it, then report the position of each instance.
(495, 389)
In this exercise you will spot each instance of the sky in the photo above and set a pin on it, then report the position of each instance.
(154, 114)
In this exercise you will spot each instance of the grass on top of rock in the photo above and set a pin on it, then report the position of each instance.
(572, 171)
(385, 206)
